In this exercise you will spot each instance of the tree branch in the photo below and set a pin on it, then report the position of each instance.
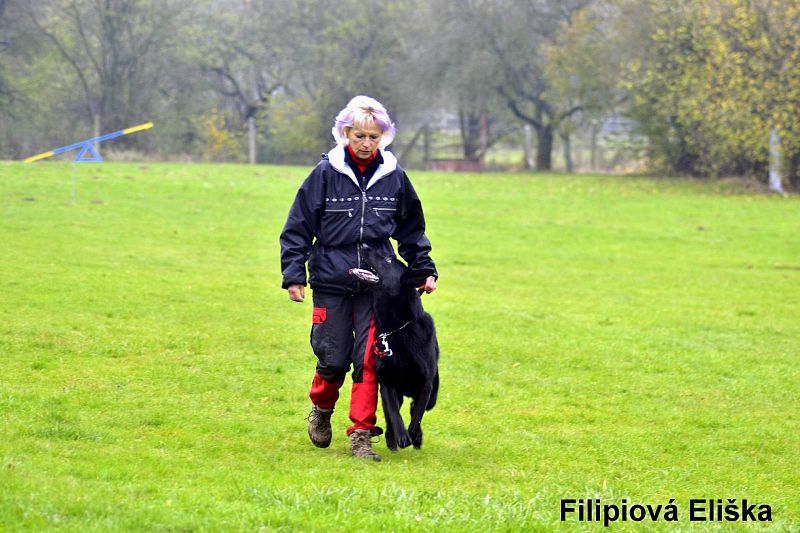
(69, 59)
(570, 112)
(515, 109)
(86, 46)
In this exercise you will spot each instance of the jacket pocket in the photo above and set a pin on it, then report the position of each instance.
(348, 212)
(339, 226)
(384, 211)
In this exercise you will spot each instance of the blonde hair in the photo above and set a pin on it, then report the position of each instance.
(364, 111)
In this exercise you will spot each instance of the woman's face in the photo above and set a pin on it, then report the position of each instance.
(364, 141)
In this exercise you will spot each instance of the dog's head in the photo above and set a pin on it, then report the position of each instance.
(386, 273)
(393, 290)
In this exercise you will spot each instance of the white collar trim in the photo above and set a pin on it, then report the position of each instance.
(336, 159)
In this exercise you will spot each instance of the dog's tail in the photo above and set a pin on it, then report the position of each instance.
(434, 393)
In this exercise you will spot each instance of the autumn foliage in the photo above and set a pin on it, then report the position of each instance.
(712, 79)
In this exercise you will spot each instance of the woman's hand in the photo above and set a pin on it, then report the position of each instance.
(429, 286)
(297, 293)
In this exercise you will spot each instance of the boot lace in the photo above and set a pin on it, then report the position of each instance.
(317, 415)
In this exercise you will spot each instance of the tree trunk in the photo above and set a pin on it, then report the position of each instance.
(426, 143)
(544, 147)
(567, 147)
(483, 122)
(251, 118)
(793, 170)
(470, 126)
(410, 146)
(683, 160)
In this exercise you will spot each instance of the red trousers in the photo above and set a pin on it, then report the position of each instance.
(343, 333)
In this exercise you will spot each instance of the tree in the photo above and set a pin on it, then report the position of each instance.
(710, 81)
(111, 47)
(23, 64)
(336, 51)
(5, 92)
(582, 65)
(454, 73)
(517, 35)
(245, 58)
(8, 47)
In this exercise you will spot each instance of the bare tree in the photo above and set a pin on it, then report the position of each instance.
(5, 92)
(517, 35)
(245, 58)
(110, 45)
(454, 73)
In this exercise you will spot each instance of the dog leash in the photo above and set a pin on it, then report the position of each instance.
(384, 335)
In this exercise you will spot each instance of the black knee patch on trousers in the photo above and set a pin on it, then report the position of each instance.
(339, 334)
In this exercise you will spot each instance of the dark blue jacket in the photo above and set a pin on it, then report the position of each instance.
(337, 208)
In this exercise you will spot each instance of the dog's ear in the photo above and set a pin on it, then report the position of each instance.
(364, 276)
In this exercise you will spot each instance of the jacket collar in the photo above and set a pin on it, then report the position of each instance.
(336, 159)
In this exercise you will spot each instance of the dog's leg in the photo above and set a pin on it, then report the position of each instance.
(394, 422)
(418, 406)
(434, 393)
(389, 435)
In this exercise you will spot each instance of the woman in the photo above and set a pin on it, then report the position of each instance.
(356, 195)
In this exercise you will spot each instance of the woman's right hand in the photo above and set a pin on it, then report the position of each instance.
(297, 293)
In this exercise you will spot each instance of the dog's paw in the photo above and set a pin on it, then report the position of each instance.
(416, 437)
(390, 443)
(403, 440)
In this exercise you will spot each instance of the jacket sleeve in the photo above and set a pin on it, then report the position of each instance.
(412, 243)
(301, 228)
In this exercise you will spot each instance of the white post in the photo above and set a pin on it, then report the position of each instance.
(251, 135)
(775, 156)
(527, 146)
(97, 132)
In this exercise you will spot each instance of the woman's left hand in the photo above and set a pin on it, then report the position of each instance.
(430, 285)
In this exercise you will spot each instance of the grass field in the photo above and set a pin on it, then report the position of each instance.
(601, 337)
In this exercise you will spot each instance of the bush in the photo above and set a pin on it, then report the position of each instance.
(217, 142)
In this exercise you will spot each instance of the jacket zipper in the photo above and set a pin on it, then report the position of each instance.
(361, 227)
(384, 209)
(348, 211)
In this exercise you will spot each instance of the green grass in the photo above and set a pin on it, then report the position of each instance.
(601, 337)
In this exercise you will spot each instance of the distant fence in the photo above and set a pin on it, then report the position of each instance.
(603, 146)
(455, 165)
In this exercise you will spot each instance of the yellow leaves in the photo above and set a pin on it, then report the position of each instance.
(723, 79)
(218, 144)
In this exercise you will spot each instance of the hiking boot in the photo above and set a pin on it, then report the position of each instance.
(319, 426)
(361, 445)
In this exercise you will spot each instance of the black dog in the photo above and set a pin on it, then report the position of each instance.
(406, 346)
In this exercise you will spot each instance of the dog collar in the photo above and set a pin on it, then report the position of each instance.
(386, 351)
